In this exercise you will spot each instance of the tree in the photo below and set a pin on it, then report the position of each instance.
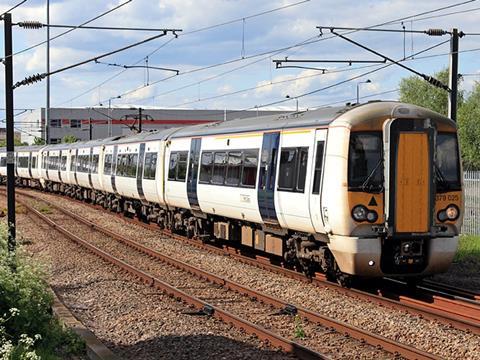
(68, 139)
(469, 131)
(415, 90)
(16, 142)
(38, 141)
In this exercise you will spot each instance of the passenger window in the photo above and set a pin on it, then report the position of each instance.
(34, 162)
(72, 163)
(206, 167)
(63, 164)
(177, 170)
(249, 170)
(293, 169)
(172, 168)
(107, 166)
(234, 168)
(287, 169)
(150, 166)
(317, 177)
(302, 169)
(182, 166)
(219, 167)
(94, 166)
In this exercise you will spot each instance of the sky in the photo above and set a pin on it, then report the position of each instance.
(225, 52)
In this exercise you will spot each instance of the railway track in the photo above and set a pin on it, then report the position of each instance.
(145, 275)
(449, 305)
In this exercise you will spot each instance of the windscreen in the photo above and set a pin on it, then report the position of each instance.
(447, 163)
(365, 161)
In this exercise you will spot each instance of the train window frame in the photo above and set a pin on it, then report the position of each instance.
(21, 162)
(63, 162)
(182, 165)
(107, 164)
(318, 169)
(355, 184)
(299, 174)
(178, 172)
(450, 184)
(150, 165)
(205, 176)
(3, 161)
(233, 167)
(254, 154)
(33, 163)
(222, 166)
(94, 160)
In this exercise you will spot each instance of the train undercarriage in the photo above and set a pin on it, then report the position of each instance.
(296, 250)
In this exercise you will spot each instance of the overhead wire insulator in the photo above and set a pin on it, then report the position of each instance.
(435, 32)
(30, 24)
(436, 82)
(30, 80)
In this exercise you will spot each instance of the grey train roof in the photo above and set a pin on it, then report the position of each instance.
(311, 118)
(321, 117)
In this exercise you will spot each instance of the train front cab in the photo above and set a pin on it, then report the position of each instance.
(404, 197)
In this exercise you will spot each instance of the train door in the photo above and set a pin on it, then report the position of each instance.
(409, 191)
(141, 164)
(316, 189)
(192, 176)
(30, 164)
(266, 179)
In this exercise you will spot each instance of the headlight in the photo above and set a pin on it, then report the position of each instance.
(359, 213)
(372, 216)
(450, 213)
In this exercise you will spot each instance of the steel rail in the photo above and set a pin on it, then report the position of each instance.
(450, 289)
(263, 334)
(394, 301)
(386, 344)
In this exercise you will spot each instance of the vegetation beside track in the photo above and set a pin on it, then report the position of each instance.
(469, 249)
(28, 330)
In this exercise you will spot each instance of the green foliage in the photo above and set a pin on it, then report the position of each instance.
(16, 142)
(299, 332)
(45, 209)
(469, 131)
(468, 249)
(415, 90)
(38, 141)
(69, 139)
(27, 326)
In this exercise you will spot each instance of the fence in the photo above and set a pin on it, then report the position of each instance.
(471, 221)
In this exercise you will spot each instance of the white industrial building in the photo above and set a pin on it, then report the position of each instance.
(101, 122)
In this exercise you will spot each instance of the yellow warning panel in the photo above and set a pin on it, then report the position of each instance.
(412, 199)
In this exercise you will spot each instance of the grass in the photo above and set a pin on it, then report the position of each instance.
(45, 209)
(468, 249)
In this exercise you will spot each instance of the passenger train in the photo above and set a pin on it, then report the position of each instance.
(365, 190)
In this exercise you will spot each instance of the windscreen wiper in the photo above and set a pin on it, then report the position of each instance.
(440, 179)
(367, 186)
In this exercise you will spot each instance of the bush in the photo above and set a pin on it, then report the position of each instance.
(28, 329)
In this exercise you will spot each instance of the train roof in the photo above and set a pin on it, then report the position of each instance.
(320, 117)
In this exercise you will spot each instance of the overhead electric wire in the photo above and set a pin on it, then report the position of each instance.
(241, 59)
(13, 8)
(271, 53)
(392, 62)
(37, 77)
(183, 34)
(70, 30)
(337, 83)
(354, 99)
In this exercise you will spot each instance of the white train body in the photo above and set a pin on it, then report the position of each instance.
(321, 187)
